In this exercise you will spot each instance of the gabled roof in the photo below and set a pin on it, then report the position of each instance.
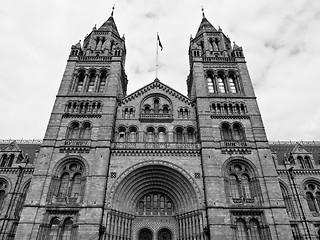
(156, 84)
(299, 149)
(11, 147)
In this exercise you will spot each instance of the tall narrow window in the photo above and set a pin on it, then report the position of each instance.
(92, 78)
(80, 82)
(162, 134)
(308, 162)
(86, 130)
(255, 231)
(190, 133)
(54, 229)
(245, 182)
(10, 161)
(133, 134)
(122, 134)
(226, 132)
(150, 134)
(103, 81)
(210, 83)
(311, 202)
(179, 135)
(232, 84)
(156, 106)
(74, 130)
(238, 134)
(222, 87)
(234, 186)
(67, 229)
(64, 185)
(241, 230)
(287, 201)
(2, 197)
(4, 160)
(76, 186)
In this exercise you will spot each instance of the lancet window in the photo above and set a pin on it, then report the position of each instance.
(312, 193)
(305, 162)
(228, 108)
(83, 107)
(91, 80)
(7, 160)
(60, 230)
(183, 112)
(288, 202)
(128, 112)
(247, 228)
(222, 82)
(3, 192)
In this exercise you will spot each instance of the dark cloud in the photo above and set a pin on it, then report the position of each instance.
(273, 44)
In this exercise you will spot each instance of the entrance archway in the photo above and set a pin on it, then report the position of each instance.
(145, 234)
(164, 234)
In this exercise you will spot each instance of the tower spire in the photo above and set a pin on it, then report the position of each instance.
(202, 9)
(112, 11)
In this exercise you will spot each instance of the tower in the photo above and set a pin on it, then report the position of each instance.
(66, 197)
(239, 176)
(154, 164)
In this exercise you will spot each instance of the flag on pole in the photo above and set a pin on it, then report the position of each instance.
(160, 45)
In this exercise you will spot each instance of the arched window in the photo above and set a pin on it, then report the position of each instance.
(54, 229)
(86, 130)
(103, 81)
(92, 78)
(4, 160)
(121, 134)
(133, 134)
(164, 234)
(234, 186)
(312, 191)
(74, 130)
(147, 109)
(191, 134)
(288, 201)
(10, 162)
(232, 83)
(210, 83)
(64, 185)
(145, 234)
(241, 230)
(246, 189)
(21, 200)
(243, 185)
(165, 109)
(255, 230)
(308, 162)
(179, 135)
(226, 132)
(75, 185)
(150, 134)
(221, 85)
(2, 197)
(161, 134)
(156, 106)
(301, 161)
(66, 233)
(80, 83)
(238, 132)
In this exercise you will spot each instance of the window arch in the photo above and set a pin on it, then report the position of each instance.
(191, 135)
(241, 230)
(103, 81)
(242, 185)
(3, 192)
(179, 135)
(210, 82)
(255, 230)
(226, 131)
(66, 232)
(162, 134)
(150, 135)
(4, 160)
(238, 132)
(74, 130)
(53, 233)
(232, 83)
(221, 84)
(85, 132)
(80, 82)
(133, 134)
(155, 203)
(91, 83)
(21, 200)
(312, 193)
(122, 134)
(10, 160)
(79, 131)
(288, 201)
(68, 184)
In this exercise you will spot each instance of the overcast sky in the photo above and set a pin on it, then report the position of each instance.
(281, 42)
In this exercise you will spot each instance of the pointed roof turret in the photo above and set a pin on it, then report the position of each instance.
(205, 25)
(110, 25)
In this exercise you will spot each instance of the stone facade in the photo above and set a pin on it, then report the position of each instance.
(156, 163)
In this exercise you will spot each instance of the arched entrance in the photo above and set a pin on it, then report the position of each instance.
(158, 196)
(145, 234)
(164, 234)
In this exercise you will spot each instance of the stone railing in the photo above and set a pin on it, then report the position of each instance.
(156, 145)
(234, 144)
(218, 59)
(77, 142)
(95, 58)
(156, 117)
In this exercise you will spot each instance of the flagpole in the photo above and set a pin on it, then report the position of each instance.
(157, 57)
